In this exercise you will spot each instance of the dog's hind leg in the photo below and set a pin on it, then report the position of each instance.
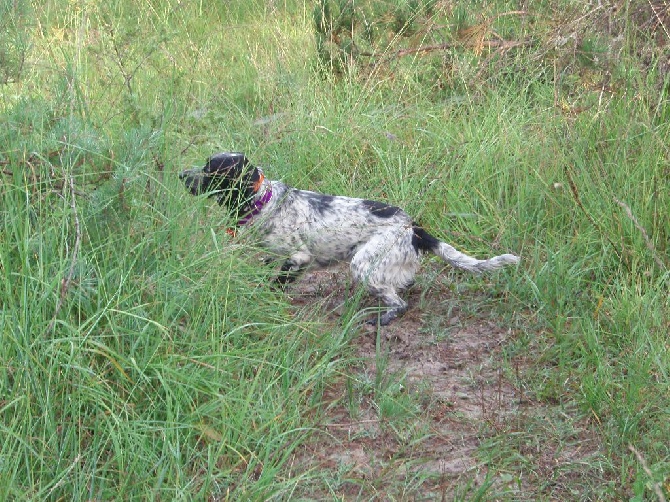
(396, 305)
(385, 265)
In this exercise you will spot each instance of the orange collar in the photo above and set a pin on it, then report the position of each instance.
(259, 183)
(257, 205)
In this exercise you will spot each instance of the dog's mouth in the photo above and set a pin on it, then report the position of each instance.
(197, 182)
(230, 185)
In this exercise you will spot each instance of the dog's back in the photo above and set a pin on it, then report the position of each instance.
(330, 228)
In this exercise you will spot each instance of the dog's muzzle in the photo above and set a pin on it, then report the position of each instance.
(193, 179)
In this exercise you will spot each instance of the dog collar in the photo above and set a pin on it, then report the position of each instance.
(256, 208)
(258, 203)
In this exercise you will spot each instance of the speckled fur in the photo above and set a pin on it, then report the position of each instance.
(381, 242)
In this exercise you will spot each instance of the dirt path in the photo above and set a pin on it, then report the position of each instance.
(427, 391)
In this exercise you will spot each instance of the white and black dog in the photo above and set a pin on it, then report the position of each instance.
(382, 243)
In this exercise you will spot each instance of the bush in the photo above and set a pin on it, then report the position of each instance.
(14, 39)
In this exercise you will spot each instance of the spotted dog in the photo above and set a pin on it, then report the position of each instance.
(381, 242)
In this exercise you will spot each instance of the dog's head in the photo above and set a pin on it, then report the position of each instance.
(229, 177)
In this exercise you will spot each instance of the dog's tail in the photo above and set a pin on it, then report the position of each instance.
(423, 241)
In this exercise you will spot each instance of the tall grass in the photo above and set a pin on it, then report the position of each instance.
(141, 358)
(142, 355)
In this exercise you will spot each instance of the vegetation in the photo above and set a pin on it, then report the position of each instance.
(142, 355)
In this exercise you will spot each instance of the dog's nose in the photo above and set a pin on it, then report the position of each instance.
(182, 175)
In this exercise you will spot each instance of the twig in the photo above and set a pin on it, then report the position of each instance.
(578, 200)
(647, 240)
(359, 422)
(511, 13)
(64, 475)
(65, 282)
(498, 44)
(127, 77)
(191, 142)
(659, 18)
(575, 194)
(645, 468)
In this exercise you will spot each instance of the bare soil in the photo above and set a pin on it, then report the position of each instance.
(430, 412)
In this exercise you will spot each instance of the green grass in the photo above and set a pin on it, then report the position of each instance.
(141, 355)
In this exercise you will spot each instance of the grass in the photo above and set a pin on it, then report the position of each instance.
(140, 353)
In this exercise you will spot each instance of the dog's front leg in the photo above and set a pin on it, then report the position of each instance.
(293, 267)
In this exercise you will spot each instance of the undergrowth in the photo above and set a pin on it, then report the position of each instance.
(141, 353)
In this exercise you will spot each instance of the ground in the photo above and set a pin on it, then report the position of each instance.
(429, 411)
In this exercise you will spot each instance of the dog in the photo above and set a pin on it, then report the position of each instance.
(382, 243)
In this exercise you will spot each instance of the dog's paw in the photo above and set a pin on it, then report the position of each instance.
(383, 319)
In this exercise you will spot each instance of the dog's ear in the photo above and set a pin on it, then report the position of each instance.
(224, 163)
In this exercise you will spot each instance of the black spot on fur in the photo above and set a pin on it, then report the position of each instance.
(320, 203)
(422, 240)
(380, 209)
